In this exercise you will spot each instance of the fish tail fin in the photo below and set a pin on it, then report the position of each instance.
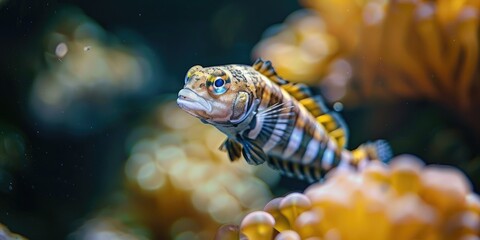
(377, 150)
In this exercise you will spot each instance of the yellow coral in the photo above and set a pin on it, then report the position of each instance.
(302, 50)
(405, 200)
(423, 50)
(397, 49)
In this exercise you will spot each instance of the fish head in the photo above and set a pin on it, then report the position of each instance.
(213, 95)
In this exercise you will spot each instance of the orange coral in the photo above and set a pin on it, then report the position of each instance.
(421, 50)
(302, 50)
(398, 49)
(405, 200)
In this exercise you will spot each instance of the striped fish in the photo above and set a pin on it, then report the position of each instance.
(268, 119)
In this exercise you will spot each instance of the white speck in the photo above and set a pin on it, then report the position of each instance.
(374, 13)
(338, 106)
(61, 50)
(87, 48)
(139, 14)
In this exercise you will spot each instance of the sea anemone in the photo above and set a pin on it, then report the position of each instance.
(405, 200)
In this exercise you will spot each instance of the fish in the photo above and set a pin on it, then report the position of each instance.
(269, 119)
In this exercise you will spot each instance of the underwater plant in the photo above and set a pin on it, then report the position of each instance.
(403, 200)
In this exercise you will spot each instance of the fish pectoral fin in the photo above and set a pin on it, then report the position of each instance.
(253, 154)
(266, 68)
(232, 147)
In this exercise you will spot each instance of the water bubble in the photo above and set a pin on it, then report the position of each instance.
(338, 106)
(61, 50)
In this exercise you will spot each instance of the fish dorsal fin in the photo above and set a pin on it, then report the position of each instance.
(332, 122)
(335, 126)
(315, 104)
(233, 148)
(266, 68)
(299, 91)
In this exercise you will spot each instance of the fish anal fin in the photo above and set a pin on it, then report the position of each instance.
(335, 127)
(266, 68)
(233, 148)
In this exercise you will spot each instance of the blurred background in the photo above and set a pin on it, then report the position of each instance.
(93, 146)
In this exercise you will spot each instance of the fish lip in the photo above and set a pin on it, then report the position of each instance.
(190, 100)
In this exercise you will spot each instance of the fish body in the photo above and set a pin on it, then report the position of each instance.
(268, 119)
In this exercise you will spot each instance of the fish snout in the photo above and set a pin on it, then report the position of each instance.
(189, 100)
(183, 95)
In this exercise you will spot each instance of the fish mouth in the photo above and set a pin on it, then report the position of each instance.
(191, 102)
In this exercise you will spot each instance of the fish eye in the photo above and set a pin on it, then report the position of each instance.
(219, 82)
(219, 86)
